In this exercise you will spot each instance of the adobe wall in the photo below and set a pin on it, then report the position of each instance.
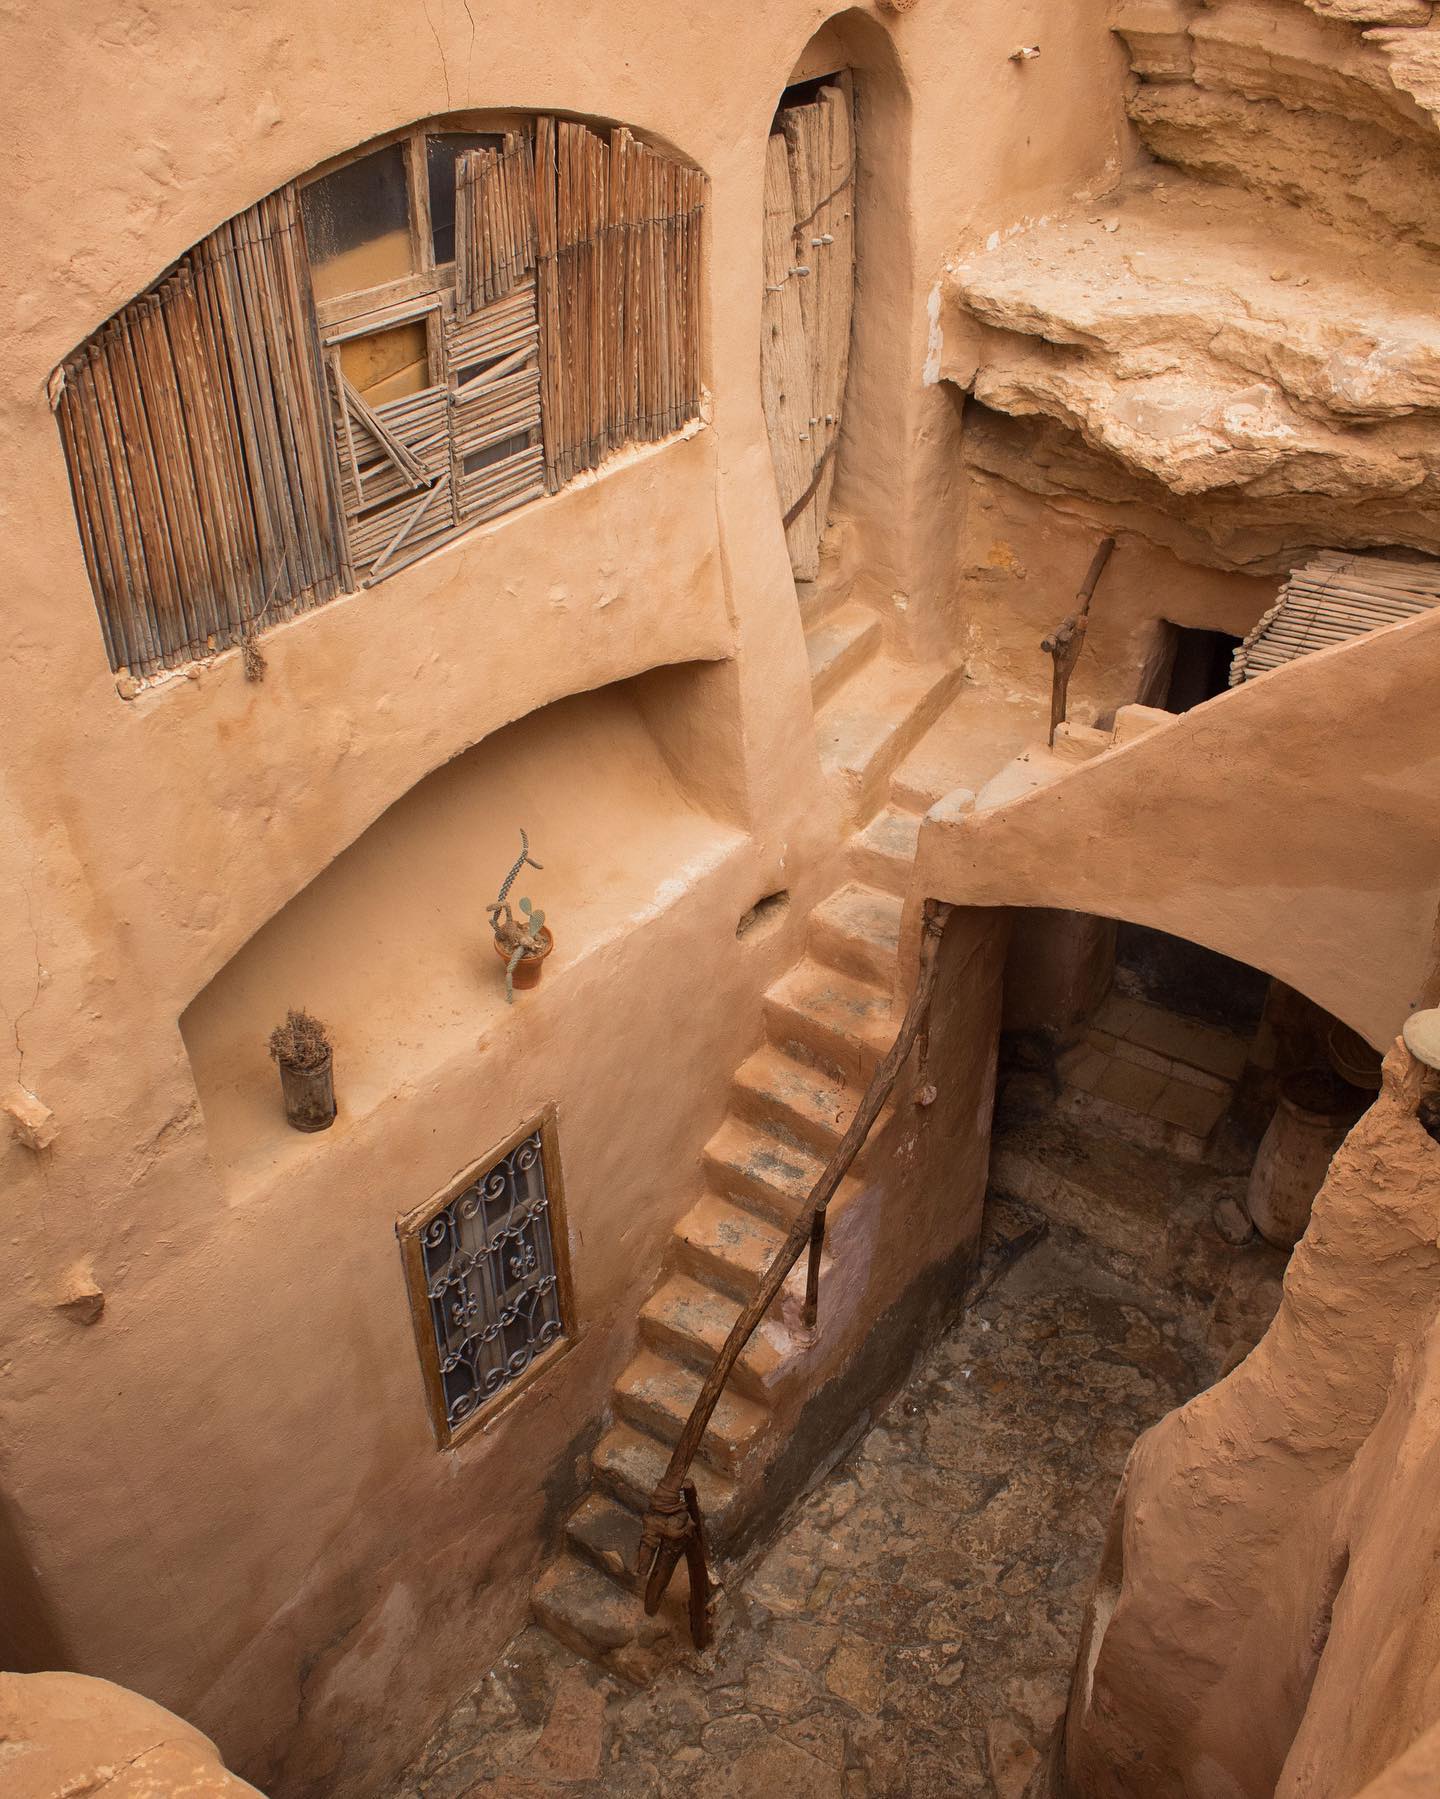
(224, 1492)
(1266, 1621)
(1287, 824)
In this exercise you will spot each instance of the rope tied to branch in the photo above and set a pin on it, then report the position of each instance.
(673, 1527)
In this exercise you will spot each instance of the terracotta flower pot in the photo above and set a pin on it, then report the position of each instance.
(529, 968)
(309, 1095)
(1314, 1117)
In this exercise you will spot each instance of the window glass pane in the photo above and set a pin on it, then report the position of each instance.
(493, 453)
(441, 151)
(357, 224)
(386, 364)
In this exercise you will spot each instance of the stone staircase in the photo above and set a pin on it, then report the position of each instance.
(892, 737)
(828, 1021)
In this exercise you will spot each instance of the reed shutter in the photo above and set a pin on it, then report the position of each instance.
(494, 222)
(195, 430)
(619, 291)
(492, 343)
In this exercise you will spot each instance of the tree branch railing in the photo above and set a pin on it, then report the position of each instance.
(673, 1524)
(1067, 640)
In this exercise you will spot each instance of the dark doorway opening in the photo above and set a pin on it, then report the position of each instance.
(1200, 668)
(1188, 979)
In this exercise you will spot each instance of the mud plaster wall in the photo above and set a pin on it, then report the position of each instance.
(1288, 824)
(1024, 559)
(224, 1493)
(1267, 1621)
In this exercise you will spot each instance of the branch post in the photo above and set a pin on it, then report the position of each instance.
(673, 1524)
(1067, 640)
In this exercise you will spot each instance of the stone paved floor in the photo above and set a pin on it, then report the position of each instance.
(911, 1631)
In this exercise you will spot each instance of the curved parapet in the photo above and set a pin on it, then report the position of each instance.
(1289, 824)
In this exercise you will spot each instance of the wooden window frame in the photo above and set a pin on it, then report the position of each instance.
(158, 569)
(408, 1229)
(430, 277)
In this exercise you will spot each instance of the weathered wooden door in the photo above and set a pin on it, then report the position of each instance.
(809, 287)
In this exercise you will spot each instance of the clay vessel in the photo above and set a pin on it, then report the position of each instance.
(309, 1095)
(528, 968)
(1313, 1118)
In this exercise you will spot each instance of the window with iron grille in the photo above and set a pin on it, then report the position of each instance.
(488, 1283)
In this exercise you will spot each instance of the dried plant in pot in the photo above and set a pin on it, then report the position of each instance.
(522, 943)
(303, 1054)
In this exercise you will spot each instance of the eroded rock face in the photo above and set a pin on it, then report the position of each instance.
(1222, 339)
(1265, 1622)
(69, 1734)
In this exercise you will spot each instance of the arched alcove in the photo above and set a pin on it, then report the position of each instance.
(838, 272)
(390, 945)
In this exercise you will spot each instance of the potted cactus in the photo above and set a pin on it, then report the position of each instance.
(303, 1054)
(522, 943)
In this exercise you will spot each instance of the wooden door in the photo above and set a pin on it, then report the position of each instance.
(809, 288)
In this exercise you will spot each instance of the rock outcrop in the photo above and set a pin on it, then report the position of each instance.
(1222, 341)
(69, 1734)
(1266, 1616)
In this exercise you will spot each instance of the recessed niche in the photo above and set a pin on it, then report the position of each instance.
(764, 916)
(390, 944)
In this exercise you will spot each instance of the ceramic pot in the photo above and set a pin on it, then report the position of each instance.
(309, 1095)
(528, 969)
(1314, 1116)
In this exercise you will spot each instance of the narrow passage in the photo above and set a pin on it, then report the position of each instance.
(911, 1631)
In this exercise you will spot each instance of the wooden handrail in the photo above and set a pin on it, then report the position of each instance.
(673, 1525)
(1067, 640)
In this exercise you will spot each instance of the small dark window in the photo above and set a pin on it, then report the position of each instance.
(357, 225)
(496, 452)
(487, 1286)
(442, 150)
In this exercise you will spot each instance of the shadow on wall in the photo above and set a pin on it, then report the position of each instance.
(29, 1641)
(627, 798)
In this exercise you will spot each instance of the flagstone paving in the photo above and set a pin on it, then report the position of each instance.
(911, 1631)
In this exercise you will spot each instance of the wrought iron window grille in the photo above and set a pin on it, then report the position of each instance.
(488, 1280)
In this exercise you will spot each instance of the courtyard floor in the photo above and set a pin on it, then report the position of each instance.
(911, 1631)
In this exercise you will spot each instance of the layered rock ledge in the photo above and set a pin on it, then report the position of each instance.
(1215, 355)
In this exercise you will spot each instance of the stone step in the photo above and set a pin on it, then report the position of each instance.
(978, 733)
(1080, 1171)
(606, 1623)
(1147, 1034)
(691, 1322)
(725, 1245)
(602, 1531)
(857, 930)
(838, 645)
(801, 1104)
(883, 854)
(657, 1394)
(748, 1163)
(586, 1610)
(866, 729)
(1172, 1117)
(629, 1463)
(848, 1024)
